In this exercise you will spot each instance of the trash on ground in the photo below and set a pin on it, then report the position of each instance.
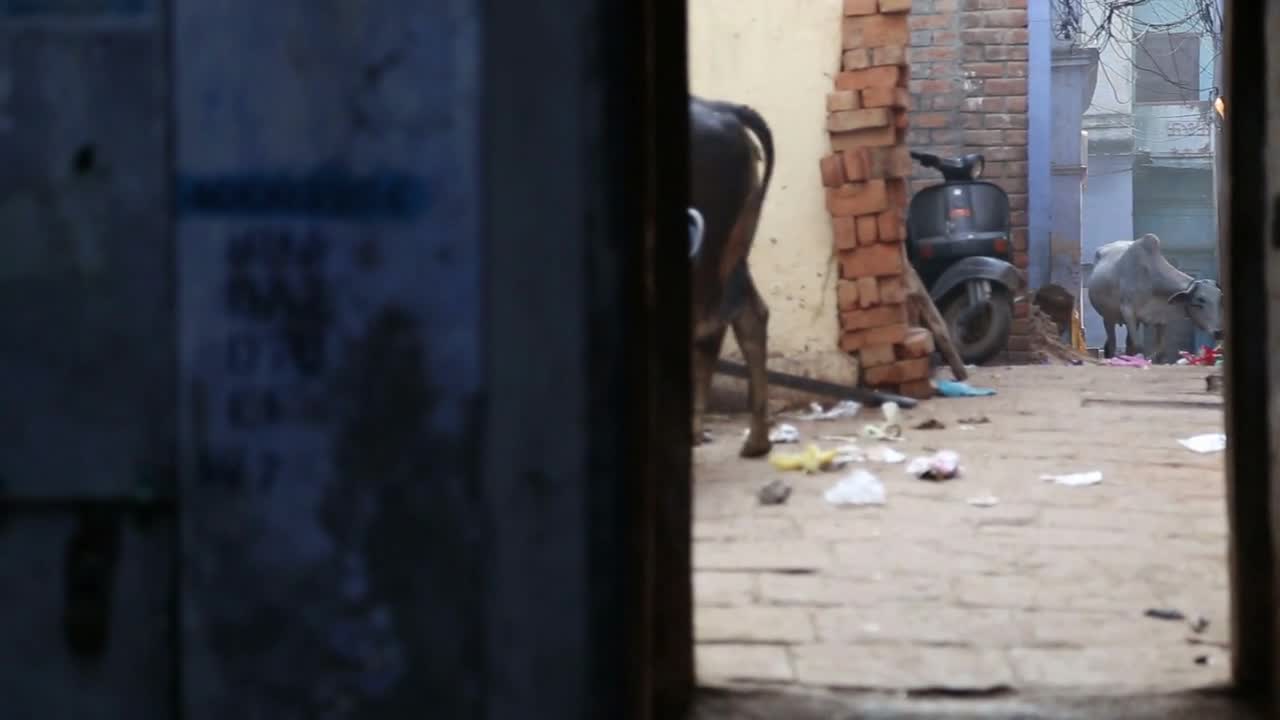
(1203, 660)
(857, 488)
(840, 438)
(883, 431)
(812, 460)
(1213, 383)
(1208, 356)
(885, 454)
(931, 424)
(775, 493)
(783, 434)
(979, 420)
(1138, 361)
(891, 412)
(1165, 614)
(952, 388)
(942, 465)
(984, 501)
(1075, 479)
(848, 455)
(1200, 624)
(1209, 443)
(842, 409)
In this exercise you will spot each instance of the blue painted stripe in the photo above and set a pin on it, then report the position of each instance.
(327, 195)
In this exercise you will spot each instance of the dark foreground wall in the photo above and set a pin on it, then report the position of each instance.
(328, 373)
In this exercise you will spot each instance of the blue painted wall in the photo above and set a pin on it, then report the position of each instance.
(1108, 216)
(1039, 122)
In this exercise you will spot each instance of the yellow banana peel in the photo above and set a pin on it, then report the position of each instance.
(811, 460)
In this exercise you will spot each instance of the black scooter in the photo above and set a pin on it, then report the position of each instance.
(959, 241)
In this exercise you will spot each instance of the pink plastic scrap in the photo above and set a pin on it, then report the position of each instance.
(1137, 361)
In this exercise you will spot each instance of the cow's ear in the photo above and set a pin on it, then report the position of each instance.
(1179, 297)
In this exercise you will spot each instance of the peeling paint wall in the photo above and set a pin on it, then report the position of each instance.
(326, 198)
(781, 58)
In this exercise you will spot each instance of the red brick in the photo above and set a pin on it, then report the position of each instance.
(1021, 260)
(867, 234)
(873, 31)
(888, 162)
(849, 120)
(931, 119)
(842, 100)
(1016, 104)
(895, 6)
(876, 355)
(871, 137)
(873, 318)
(985, 69)
(918, 343)
(855, 164)
(844, 233)
(933, 54)
(1015, 137)
(902, 371)
(856, 59)
(883, 76)
(851, 341)
(930, 87)
(860, 7)
(1020, 240)
(832, 169)
(1005, 52)
(879, 260)
(892, 290)
(1006, 19)
(868, 292)
(847, 294)
(890, 227)
(900, 120)
(983, 137)
(983, 37)
(918, 389)
(1004, 121)
(894, 97)
(858, 198)
(896, 190)
(929, 22)
(1015, 69)
(1010, 86)
(985, 104)
(889, 55)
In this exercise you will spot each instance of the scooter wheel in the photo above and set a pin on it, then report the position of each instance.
(979, 339)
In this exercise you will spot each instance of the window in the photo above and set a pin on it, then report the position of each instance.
(1167, 68)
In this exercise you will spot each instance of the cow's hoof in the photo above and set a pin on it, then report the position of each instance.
(756, 446)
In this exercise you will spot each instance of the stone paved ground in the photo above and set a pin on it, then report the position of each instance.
(1045, 589)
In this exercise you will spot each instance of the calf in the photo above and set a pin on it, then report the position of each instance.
(728, 192)
(1132, 283)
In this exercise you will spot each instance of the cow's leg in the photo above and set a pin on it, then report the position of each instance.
(1157, 352)
(706, 353)
(1109, 347)
(1130, 329)
(750, 329)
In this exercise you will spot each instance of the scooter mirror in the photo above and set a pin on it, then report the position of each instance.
(976, 163)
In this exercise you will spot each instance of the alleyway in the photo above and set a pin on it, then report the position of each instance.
(1047, 588)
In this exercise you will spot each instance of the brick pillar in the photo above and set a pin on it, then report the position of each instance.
(865, 176)
(968, 62)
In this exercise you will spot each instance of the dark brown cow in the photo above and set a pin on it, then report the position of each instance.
(728, 190)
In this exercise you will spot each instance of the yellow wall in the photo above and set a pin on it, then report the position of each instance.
(780, 57)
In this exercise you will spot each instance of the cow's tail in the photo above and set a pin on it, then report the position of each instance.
(758, 127)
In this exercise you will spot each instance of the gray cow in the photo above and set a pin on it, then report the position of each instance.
(1133, 284)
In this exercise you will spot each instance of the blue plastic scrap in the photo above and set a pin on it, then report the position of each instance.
(951, 388)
